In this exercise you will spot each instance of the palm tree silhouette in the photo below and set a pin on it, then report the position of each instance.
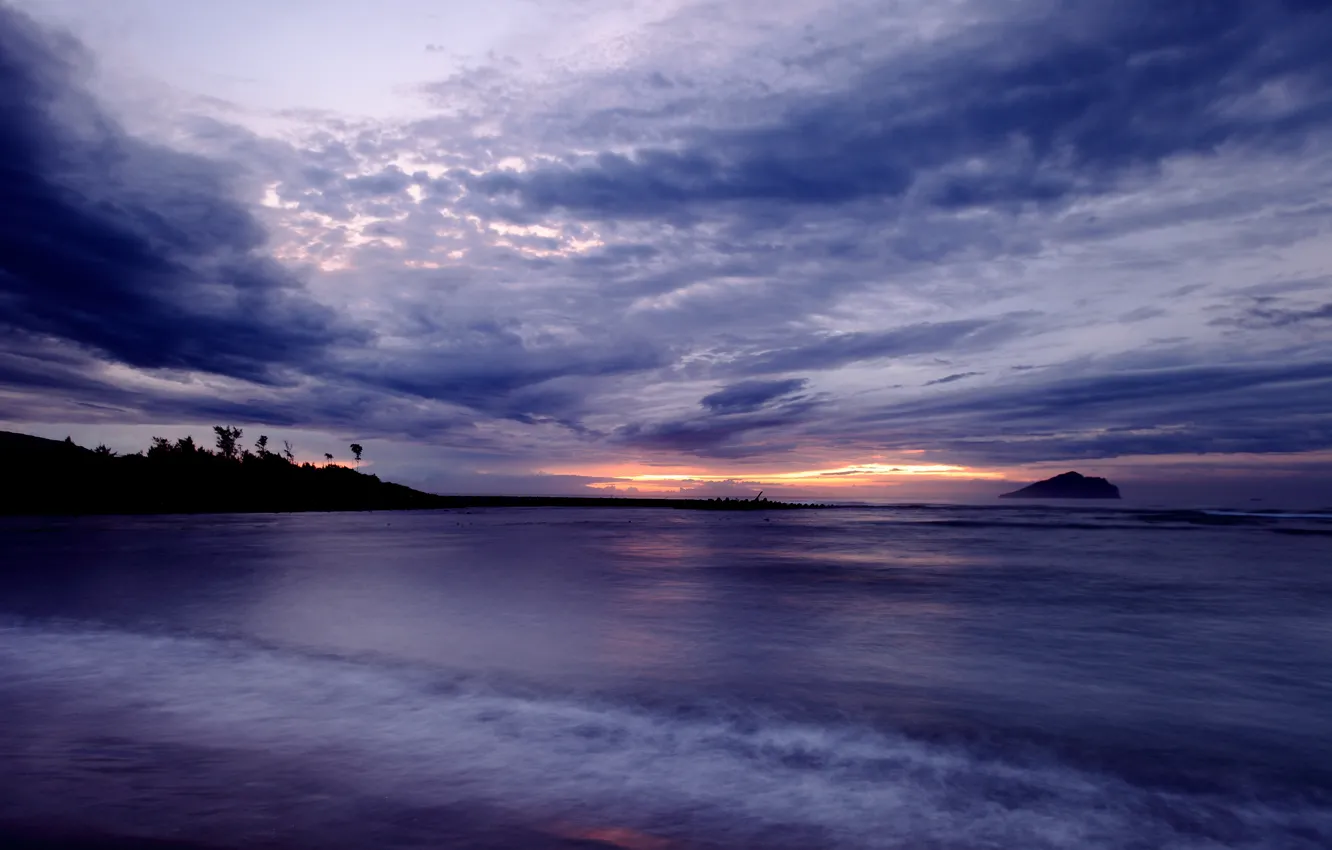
(328, 458)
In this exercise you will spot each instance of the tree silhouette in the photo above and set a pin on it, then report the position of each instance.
(328, 458)
(356, 450)
(287, 452)
(261, 445)
(103, 451)
(226, 440)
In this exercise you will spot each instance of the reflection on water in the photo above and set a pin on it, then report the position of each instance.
(662, 679)
(614, 836)
(638, 633)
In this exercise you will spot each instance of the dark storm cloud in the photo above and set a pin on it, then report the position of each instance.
(129, 249)
(748, 396)
(1001, 116)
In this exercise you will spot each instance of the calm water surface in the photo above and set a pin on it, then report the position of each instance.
(933, 679)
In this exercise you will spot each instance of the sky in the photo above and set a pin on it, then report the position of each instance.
(908, 249)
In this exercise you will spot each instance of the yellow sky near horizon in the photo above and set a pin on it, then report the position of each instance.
(655, 479)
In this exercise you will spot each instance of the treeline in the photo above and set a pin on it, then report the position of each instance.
(229, 449)
(181, 476)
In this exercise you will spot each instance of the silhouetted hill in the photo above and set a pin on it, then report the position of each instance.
(48, 476)
(1070, 485)
(53, 477)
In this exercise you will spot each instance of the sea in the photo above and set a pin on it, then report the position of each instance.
(1015, 677)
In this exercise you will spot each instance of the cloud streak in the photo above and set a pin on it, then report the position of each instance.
(836, 350)
(1189, 410)
(748, 396)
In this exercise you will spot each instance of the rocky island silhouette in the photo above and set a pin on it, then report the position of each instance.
(1070, 485)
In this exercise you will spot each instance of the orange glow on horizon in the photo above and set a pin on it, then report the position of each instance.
(840, 477)
(861, 471)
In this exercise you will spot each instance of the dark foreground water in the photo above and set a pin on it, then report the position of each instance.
(925, 679)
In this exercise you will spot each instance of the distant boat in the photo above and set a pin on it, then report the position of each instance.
(1070, 485)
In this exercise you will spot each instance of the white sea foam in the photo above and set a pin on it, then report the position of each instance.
(404, 734)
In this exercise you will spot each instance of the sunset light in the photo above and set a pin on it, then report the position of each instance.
(858, 472)
(666, 424)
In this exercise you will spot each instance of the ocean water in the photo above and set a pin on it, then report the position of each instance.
(920, 678)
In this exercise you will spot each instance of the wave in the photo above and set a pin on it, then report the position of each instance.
(1271, 514)
(736, 777)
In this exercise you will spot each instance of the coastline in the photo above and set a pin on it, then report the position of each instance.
(52, 478)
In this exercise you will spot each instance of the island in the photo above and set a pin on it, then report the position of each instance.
(1070, 485)
(44, 476)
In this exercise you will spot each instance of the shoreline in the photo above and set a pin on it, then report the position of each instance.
(435, 503)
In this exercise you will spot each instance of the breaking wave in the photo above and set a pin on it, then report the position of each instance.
(733, 777)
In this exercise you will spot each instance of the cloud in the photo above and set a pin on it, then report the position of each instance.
(390, 181)
(948, 379)
(1268, 312)
(748, 422)
(129, 249)
(499, 375)
(1193, 409)
(115, 250)
(748, 396)
(711, 438)
(836, 350)
(1027, 112)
